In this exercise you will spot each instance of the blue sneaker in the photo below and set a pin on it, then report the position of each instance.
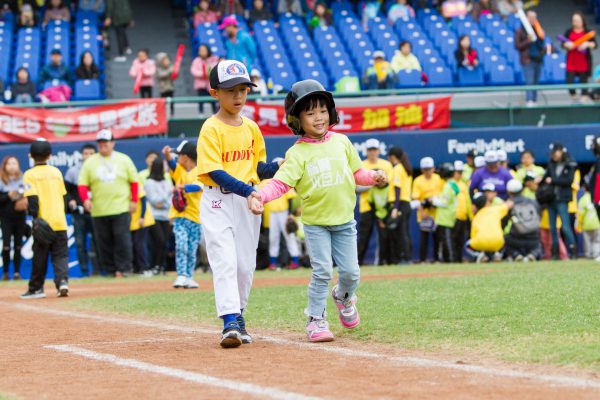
(232, 336)
(246, 338)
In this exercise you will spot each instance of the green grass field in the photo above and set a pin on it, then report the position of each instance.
(543, 313)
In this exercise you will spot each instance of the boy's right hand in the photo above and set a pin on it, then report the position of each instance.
(255, 204)
(167, 152)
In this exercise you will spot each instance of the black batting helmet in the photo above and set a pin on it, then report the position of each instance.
(301, 91)
(446, 170)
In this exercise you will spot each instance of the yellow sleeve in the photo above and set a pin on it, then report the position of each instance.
(416, 190)
(503, 212)
(176, 174)
(209, 151)
(259, 145)
(29, 183)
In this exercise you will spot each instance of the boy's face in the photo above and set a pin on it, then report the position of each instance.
(87, 153)
(233, 99)
(427, 172)
(315, 122)
(490, 196)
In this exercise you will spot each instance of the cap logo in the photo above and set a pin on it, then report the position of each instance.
(232, 70)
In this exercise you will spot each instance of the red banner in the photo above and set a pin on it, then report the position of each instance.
(127, 118)
(426, 114)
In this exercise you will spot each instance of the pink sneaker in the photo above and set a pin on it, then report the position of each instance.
(317, 330)
(348, 312)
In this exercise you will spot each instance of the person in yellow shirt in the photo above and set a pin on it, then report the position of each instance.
(141, 221)
(367, 213)
(186, 219)
(45, 192)
(425, 187)
(464, 211)
(487, 235)
(401, 188)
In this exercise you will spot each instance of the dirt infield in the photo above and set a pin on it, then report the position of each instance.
(51, 352)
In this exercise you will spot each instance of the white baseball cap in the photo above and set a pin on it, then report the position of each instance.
(105, 135)
(488, 187)
(502, 156)
(491, 157)
(378, 54)
(372, 144)
(479, 162)
(514, 186)
(229, 73)
(427, 162)
(459, 166)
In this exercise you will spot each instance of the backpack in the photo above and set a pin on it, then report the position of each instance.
(525, 218)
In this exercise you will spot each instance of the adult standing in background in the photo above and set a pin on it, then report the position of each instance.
(492, 173)
(579, 59)
(239, 44)
(13, 211)
(118, 15)
(82, 220)
(111, 179)
(531, 51)
(367, 214)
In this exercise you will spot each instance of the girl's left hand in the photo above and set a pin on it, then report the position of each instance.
(379, 177)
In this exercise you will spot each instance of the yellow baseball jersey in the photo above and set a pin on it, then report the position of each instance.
(400, 179)
(46, 182)
(385, 166)
(575, 186)
(464, 210)
(424, 188)
(136, 216)
(486, 228)
(182, 177)
(236, 150)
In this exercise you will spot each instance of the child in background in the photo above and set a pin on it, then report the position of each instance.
(200, 70)
(379, 200)
(489, 190)
(487, 235)
(324, 168)
(589, 225)
(425, 187)
(186, 221)
(204, 13)
(445, 214)
(141, 221)
(164, 72)
(143, 70)
(261, 85)
(45, 192)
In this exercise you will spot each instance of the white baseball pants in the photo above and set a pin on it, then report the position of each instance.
(231, 233)
(277, 222)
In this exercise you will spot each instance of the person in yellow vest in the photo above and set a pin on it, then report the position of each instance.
(186, 219)
(464, 211)
(401, 188)
(141, 221)
(425, 187)
(589, 224)
(367, 213)
(572, 207)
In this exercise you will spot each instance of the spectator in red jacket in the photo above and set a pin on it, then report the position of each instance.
(466, 56)
(579, 60)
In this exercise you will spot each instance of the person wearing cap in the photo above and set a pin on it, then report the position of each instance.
(425, 187)
(588, 225)
(478, 162)
(560, 175)
(55, 70)
(186, 223)
(164, 77)
(469, 166)
(261, 86)
(401, 186)
(231, 160)
(492, 173)
(491, 194)
(380, 75)
(503, 158)
(523, 227)
(142, 70)
(240, 45)
(367, 213)
(45, 192)
(108, 188)
(464, 211)
(82, 220)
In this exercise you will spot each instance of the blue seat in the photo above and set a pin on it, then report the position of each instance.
(6, 40)
(87, 17)
(470, 77)
(502, 74)
(554, 69)
(513, 22)
(57, 36)
(439, 76)
(87, 89)
(409, 79)
(28, 51)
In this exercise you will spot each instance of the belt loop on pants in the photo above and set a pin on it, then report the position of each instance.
(225, 191)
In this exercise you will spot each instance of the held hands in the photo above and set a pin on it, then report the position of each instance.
(132, 207)
(87, 205)
(379, 177)
(255, 204)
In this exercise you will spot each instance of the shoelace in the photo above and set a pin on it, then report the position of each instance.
(241, 323)
(321, 323)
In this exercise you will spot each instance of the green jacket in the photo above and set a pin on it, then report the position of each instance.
(446, 203)
(588, 218)
(119, 11)
(378, 198)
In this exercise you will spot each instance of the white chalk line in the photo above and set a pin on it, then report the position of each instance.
(405, 361)
(248, 388)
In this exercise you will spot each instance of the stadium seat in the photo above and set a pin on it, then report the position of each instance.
(502, 74)
(86, 39)
(28, 51)
(471, 77)
(209, 34)
(57, 36)
(409, 79)
(439, 76)
(6, 40)
(87, 89)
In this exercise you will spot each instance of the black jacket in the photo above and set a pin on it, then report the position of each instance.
(562, 182)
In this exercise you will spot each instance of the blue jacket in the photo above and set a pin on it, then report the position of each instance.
(51, 72)
(244, 49)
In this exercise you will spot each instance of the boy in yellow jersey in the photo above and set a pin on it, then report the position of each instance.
(425, 187)
(487, 235)
(401, 188)
(186, 223)
(232, 159)
(464, 212)
(367, 213)
(141, 221)
(45, 191)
